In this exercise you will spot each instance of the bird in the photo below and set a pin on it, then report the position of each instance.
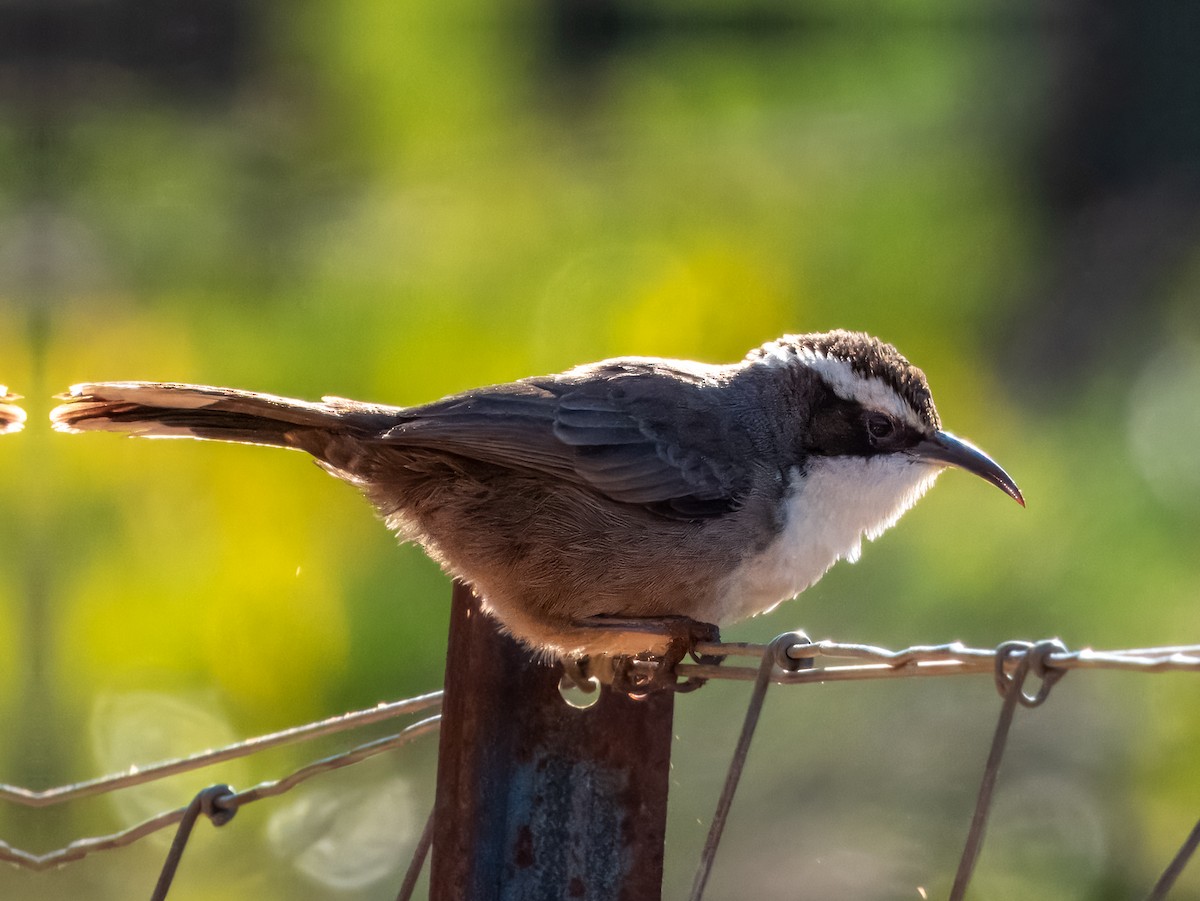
(619, 507)
(12, 417)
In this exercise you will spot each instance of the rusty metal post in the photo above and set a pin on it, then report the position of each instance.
(537, 800)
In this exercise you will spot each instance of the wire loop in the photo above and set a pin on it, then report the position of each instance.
(213, 802)
(789, 655)
(775, 656)
(1034, 660)
(218, 803)
(1012, 690)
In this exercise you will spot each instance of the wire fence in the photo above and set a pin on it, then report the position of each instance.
(789, 659)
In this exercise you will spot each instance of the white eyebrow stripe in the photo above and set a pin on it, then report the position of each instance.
(870, 392)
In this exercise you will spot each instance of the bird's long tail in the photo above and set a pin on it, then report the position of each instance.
(12, 417)
(168, 410)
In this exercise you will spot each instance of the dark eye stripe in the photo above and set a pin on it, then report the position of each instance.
(840, 428)
(836, 429)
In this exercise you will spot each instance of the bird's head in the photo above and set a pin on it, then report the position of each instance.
(867, 402)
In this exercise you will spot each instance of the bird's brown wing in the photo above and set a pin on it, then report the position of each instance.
(635, 433)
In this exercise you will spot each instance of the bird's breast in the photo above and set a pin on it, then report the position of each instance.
(826, 514)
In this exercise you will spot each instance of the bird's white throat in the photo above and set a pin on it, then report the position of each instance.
(829, 512)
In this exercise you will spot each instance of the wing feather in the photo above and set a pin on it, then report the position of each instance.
(615, 429)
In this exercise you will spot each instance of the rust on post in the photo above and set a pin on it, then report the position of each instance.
(537, 799)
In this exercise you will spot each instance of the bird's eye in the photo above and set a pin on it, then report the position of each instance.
(880, 427)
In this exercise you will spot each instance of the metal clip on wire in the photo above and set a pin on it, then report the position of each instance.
(213, 802)
(776, 655)
(1034, 661)
(1012, 690)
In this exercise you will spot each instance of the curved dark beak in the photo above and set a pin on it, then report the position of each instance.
(946, 449)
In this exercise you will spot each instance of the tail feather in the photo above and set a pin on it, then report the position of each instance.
(12, 417)
(170, 410)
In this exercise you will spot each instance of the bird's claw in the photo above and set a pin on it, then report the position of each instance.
(684, 634)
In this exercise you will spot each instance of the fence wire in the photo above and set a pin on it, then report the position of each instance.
(231, 800)
(789, 659)
(141, 774)
(951, 659)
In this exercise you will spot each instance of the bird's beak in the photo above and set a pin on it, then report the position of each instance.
(944, 448)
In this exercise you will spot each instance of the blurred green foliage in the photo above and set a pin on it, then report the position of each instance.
(398, 201)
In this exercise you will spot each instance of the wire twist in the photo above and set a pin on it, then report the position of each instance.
(1012, 689)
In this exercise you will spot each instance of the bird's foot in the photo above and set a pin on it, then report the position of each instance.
(644, 673)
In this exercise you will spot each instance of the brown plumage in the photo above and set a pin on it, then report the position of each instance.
(492, 503)
(626, 489)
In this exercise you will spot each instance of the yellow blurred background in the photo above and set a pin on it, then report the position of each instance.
(394, 201)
